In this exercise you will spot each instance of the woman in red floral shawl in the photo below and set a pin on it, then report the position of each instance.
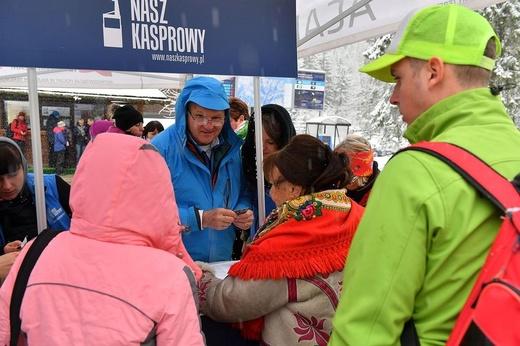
(285, 289)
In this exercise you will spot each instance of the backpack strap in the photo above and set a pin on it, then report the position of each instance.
(22, 278)
(479, 174)
(505, 195)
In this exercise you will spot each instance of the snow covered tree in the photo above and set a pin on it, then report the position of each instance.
(384, 119)
(504, 18)
(344, 90)
(168, 111)
(364, 101)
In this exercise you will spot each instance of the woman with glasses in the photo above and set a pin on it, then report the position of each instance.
(203, 154)
(285, 289)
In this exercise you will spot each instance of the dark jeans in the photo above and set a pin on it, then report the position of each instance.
(218, 334)
(21, 145)
(80, 148)
(60, 162)
(52, 154)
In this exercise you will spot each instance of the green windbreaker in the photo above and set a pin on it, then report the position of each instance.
(426, 232)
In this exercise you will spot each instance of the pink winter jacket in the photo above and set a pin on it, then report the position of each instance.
(121, 276)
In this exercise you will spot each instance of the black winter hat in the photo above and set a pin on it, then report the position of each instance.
(127, 116)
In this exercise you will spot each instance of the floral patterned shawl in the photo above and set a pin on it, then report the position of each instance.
(303, 237)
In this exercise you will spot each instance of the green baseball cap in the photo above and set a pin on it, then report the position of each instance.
(453, 33)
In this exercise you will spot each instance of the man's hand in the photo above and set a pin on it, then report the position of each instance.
(218, 218)
(12, 246)
(244, 220)
(6, 262)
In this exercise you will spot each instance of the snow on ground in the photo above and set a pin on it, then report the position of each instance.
(382, 160)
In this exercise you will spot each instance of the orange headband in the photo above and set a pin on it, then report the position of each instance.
(361, 163)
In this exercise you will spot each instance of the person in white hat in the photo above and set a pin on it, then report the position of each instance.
(60, 145)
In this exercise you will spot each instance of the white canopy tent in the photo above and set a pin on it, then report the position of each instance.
(180, 36)
(324, 25)
(78, 94)
(138, 94)
(321, 26)
(91, 79)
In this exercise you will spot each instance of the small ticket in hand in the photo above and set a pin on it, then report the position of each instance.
(240, 211)
(24, 241)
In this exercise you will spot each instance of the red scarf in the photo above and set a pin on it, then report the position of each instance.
(306, 236)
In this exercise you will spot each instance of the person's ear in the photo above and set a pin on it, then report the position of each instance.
(296, 191)
(436, 70)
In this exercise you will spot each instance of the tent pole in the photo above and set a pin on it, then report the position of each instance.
(36, 149)
(259, 150)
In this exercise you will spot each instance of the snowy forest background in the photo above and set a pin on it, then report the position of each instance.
(363, 101)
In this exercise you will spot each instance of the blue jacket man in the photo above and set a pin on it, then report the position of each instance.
(203, 154)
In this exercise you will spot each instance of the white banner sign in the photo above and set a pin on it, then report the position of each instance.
(328, 24)
(90, 79)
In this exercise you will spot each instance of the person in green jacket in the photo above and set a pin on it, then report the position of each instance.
(426, 232)
(238, 116)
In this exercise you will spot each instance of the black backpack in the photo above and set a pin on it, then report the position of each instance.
(8, 132)
(20, 284)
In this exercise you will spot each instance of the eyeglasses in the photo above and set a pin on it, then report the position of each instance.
(278, 182)
(203, 120)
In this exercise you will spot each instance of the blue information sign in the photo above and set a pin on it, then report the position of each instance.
(226, 37)
(229, 86)
(309, 90)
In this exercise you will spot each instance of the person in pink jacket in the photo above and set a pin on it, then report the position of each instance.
(121, 275)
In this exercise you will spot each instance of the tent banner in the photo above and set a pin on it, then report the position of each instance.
(226, 37)
(90, 79)
(371, 18)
